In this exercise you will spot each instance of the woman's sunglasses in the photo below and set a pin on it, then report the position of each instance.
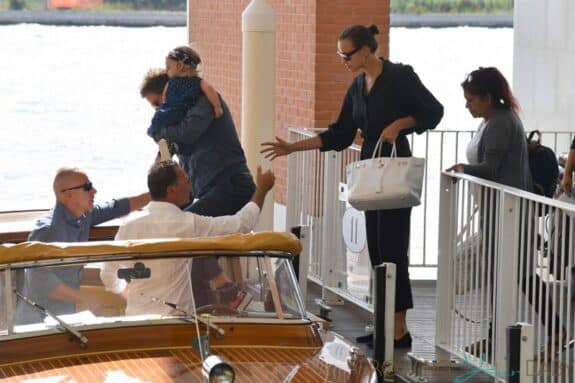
(86, 187)
(346, 56)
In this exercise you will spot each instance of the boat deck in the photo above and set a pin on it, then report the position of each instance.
(349, 321)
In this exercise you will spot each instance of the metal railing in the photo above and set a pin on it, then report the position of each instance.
(506, 256)
(316, 198)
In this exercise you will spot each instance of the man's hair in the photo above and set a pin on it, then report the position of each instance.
(61, 175)
(161, 175)
(154, 82)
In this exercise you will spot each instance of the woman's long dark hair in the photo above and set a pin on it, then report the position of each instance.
(490, 81)
(361, 36)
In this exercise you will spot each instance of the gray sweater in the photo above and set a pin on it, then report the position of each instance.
(502, 152)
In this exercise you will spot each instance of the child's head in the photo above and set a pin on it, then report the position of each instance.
(182, 62)
(153, 86)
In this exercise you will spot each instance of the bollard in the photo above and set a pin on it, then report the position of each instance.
(384, 317)
(296, 230)
(519, 353)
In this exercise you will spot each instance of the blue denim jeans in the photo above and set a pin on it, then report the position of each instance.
(226, 197)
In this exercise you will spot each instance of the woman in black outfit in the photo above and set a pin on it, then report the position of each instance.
(387, 101)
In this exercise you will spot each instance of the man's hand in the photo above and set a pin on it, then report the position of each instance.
(90, 303)
(82, 300)
(265, 181)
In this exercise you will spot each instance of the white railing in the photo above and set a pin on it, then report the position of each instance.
(313, 199)
(506, 256)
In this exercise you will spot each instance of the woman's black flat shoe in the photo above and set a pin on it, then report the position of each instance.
(367, 338)
(403, 342)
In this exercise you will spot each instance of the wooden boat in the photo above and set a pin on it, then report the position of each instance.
(269, 339)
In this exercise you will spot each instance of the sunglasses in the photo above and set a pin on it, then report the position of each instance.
(86, 187)
(346, 56)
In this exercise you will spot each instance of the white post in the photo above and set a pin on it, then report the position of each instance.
(304, 263)
(445, 251)
(526, 354)
(258, 89)
(506, 274)
(330, 235)
(293, 190)
(9, 301)
(390, 283)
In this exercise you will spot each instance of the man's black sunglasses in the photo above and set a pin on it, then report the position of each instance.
(86, 187)
(347, 55)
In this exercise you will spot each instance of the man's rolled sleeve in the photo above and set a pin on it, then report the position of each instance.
(249, 215)
(243, 221)
(109, 277)
(110, 210)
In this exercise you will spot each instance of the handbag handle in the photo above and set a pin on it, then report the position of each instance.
(377, 151)
(379, 146)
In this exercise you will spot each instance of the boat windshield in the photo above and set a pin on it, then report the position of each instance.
(221, 288)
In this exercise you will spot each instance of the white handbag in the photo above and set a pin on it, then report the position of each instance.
(382, 183)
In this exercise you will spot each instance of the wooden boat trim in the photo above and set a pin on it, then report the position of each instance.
(123, 323)
(167, 348)
(166, 336)
(15, 226)
(296, 366)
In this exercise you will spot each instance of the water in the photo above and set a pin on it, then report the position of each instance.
(69, 96)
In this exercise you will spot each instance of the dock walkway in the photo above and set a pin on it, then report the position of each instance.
(349, 321)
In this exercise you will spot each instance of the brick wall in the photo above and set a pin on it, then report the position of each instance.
(310, 80)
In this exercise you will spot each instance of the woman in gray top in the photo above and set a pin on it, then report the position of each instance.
(502, 149)
(499, 153)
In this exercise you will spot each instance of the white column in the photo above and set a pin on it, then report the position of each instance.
(544, 58)
(258, 90)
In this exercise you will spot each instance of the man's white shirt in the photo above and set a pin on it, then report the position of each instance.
(169, 280)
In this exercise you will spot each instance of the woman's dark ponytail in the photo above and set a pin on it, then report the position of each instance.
(361, 36)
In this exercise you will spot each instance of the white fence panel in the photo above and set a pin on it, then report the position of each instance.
(506, 257)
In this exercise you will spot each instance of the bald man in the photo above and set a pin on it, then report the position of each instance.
(57, 288)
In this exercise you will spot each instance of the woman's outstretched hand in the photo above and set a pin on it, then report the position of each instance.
(275, 149)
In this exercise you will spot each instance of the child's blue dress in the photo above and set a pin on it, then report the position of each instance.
(182, 94)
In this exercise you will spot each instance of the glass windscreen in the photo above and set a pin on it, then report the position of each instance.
(138, 289)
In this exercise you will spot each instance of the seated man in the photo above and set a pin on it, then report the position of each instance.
(169, 280)
(57, 288)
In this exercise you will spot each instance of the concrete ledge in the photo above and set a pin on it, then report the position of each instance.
(178, 19)
(124, 19)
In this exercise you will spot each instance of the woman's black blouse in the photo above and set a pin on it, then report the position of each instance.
(396, 93)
